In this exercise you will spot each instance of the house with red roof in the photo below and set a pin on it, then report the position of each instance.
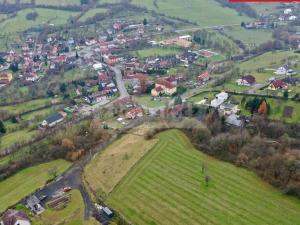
(277, 85)
(203, 77)
(247, 80)
(163, 86)
(135, 113)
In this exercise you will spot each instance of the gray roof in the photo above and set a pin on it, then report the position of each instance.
(234, 120)
(32, 201)
(54, 118)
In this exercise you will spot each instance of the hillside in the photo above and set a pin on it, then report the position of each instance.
(167, 187)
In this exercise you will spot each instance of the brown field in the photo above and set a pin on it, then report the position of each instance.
(106, 170)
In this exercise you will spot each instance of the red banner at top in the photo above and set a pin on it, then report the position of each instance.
(290, 1)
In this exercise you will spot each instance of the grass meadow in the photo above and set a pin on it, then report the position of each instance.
(167, 187)
(203, 12)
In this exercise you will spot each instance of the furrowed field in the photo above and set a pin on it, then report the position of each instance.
(167, 187)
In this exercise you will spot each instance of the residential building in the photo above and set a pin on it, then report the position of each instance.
(278, 84)
(281, 71)
(227, 108)
(234, 120)
(163, 86)
(220, 98)
(204, 77)
(5, 78)
(134, 113)
(14, 217)
(247, 80)
(53, 120)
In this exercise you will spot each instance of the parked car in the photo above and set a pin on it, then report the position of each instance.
(67, 189)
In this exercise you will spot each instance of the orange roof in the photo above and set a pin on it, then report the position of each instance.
(165, 83)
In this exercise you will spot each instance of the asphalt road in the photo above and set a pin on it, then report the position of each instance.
(120, 83)
(72, 178)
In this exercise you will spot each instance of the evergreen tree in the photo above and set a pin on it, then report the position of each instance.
(2, 127)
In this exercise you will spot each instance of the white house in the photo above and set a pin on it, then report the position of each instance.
(51, 121)
(97, 66)
(14, 217)
(292, 18)
(281, 71)
(220, 98)
(287, 11)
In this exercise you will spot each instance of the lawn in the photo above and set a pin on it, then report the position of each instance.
(106, 170)
(197, 98)
(277, 109)
(17, 109)
(40, 114)
(147, 101)
(92, 12)
(269, 60)
(203, 12)
(57, 2)
(14, 188)
(154, 52)
(74, 74)
(9, 139)
(71, 214)
(251, 37)
(167, 187)
(45, 16)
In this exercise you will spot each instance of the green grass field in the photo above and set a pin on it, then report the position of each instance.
(277, 109)
(57, 2)
(20, 23)
(148, 102)
(27, 106)
(92, 12)
(153, 52)
(250, 37)
(14, 188)
(167, 187)
(269, 60)
(9, 139)
(203, 12)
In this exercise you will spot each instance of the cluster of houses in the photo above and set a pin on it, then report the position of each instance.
(225, 108)
(287, 79)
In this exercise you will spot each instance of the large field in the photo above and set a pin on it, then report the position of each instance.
(203, 12)
(167, 187)
(252, 38)
(14, 188)
(269, 60)
(108, 168)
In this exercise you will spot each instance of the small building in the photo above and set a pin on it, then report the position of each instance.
(227, 108)
(248, 80)
(97, 66)
(134, 113)
(277, 85)
(53, 120)
(14, 217)
(234, 120)
(108, 212)
(33, 203)
(204, 77)
(220, 98)
(281, 71)
(5, 78)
